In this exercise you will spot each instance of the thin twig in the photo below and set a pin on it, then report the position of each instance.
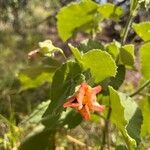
(140, 89)
(145, 94)
(72, 139)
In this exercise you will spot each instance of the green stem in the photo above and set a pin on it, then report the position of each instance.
(62, 52)
(126, 30)
(106, 131)
(128, 25)
(141, 88)
(64, 56)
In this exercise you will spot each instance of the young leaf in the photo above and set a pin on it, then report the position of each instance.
(88, 45)
(127, 55)
(143, 30)
(47, 48)
(75, 53)
(76, 16)
(113, 49)
(145, 56)
(100, 64)
(113, 12)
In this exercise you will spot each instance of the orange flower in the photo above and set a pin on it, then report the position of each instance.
(84, 100)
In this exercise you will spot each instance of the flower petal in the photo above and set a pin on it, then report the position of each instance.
(81, 93)
(69, 101)
(96, 89)
(97, 107)
(85, 113)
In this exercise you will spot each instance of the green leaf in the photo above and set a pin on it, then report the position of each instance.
(127, 55)
(133, 115)
(129, 119)
(52, 62)
(117, 81)
(76, 16)
(71, 119)
(121, 147)
(120, 120)
(113, 12)
(32, 77)
(75, 53)
(145, 106)
(100, 64)
(134, 125)
(143, 30)
(66, 78)
(88, 45)
(117, 108)
(36, 116)
(113, 49)
(47, 48)
(145, 56)
(130, 142)
(39, 139)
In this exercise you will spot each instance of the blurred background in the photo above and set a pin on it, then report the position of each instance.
(24, 23)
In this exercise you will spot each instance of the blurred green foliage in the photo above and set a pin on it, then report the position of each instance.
(25, 85)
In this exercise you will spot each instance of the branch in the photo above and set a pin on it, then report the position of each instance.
(141, 88)
(72, 139)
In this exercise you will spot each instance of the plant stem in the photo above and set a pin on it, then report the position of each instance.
(140, 89)
(106, 131)
(125, 33)
(128, 25)
(64, 56)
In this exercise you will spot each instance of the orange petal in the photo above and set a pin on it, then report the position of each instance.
(81, 93)
(69, 102)
(89, 97)
(97, 107)
(96, 89)
(85, 112)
